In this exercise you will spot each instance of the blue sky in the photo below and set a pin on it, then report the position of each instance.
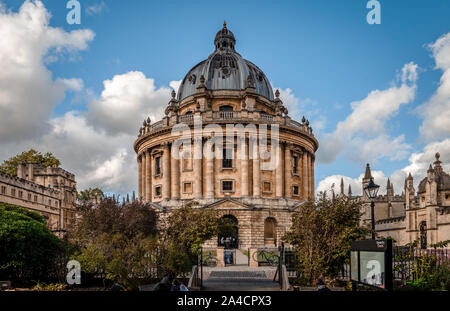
(323, 51)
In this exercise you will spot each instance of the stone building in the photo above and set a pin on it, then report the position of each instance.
(256, 177)
(423, 215)
(50, 191)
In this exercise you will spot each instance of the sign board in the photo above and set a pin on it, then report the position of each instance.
(371, 263)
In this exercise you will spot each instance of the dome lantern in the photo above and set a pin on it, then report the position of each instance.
(224, 69)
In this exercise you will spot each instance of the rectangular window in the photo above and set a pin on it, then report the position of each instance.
(187, 161)
(35, 198)
(158, 166)
(187, 187)
(29, 196)
(157, 191)
(294, 165)
(227, 158)
(267, 186)
(227, 185)
(295, 190)
(13, 192)
(20, 194)
(3, 190)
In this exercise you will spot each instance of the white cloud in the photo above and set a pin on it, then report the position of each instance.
(418, 166)
(95, 9)
(28, 92)
(127, 100)
(356, 183)
(73, 84)
(436, 112)
(366, 124)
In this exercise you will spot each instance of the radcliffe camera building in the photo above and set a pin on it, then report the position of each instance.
(259, 199)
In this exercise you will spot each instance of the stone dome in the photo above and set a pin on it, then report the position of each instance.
(225, 69)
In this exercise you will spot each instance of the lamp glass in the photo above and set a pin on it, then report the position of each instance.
(371, 189)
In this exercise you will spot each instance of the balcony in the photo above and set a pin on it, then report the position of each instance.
(232, 117)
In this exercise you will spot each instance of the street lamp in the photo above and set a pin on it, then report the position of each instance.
(371, 191)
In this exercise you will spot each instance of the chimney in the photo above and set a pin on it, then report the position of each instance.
(30, 172)
(20, 171)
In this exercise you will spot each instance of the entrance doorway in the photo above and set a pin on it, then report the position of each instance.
(228, 233)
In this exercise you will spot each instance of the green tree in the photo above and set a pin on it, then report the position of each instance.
(180, 240)
(31, 156)
(90, 194)
(117, 242)
(322, 233)
(28, 250)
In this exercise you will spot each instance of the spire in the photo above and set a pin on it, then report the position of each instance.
(388, 186)
(224, 24)
(437, 163)
(349, 191)
(342, 186)
(410, 176)
(368, 173)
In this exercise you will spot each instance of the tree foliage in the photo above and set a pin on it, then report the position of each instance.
(31, 156)
(90, 194)
(125, 244)
(28, 250)
(322, 233)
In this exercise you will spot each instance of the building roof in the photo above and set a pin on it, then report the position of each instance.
(441, 177)
(225, 69)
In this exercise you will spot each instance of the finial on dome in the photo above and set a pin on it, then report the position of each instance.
(173, 93)
(249, 81)
(277, 93)
(224, 24)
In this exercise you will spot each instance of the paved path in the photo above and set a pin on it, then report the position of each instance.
(239, 277)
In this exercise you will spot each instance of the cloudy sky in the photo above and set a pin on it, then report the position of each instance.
(373, 93)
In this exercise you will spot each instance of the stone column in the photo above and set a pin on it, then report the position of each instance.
(148, 177)
(144, 177)
(309, 175)
(305, 175)
(312, 177)
(139, 160)
(166, 172)
(175, 174)
(287, 170)
(278, 172)
(256, 169)
(210, 177)
(244, 167)
(198, 156)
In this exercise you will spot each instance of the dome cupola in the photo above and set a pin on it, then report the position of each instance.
(225, 69)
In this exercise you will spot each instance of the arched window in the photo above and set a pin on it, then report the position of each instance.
(423, 235)
(270, 225)
(228, 232)
(226, 108)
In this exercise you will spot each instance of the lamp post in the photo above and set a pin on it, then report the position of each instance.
(371, 191)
